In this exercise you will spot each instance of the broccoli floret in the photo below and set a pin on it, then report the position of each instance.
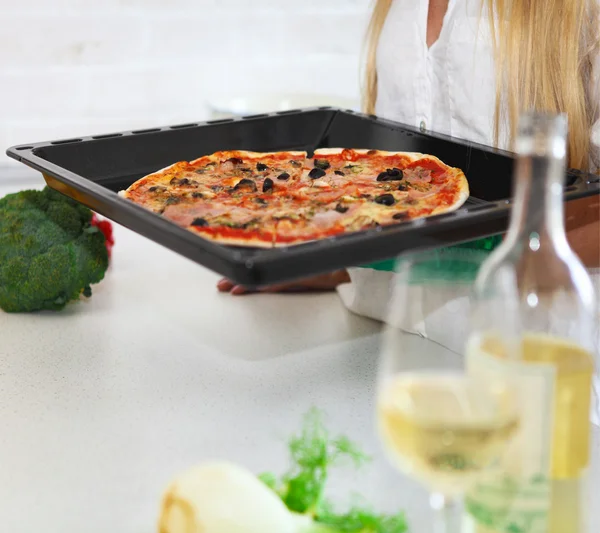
(49, 251)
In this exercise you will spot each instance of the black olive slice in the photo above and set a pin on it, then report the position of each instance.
(283, 176)
(183, 181)
(339, 173)
(316, 173)
(245, 183)
(385, 199)
(322, 164)
(267, 185)
(341, 208)
(199, 222)
(391, 174)
(261, 166)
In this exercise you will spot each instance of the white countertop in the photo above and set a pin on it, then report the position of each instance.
(103, 403)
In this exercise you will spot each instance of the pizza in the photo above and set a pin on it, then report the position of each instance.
(270, 199)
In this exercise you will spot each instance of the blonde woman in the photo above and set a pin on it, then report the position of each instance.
(467, 68)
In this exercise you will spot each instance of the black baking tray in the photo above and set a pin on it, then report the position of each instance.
(92, 170)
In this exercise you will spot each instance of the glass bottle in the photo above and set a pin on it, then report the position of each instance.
(534, 321)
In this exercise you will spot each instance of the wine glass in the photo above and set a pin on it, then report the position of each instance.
(438, 424)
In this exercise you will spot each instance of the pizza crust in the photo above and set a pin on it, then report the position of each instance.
(243, 154)
(460, 180)
(328, 151)
(414, 156)
(127, 193)
(460, 200)
(250, 242)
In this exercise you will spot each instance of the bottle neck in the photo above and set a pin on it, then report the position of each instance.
(538, 205)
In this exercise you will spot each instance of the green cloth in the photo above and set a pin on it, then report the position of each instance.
(447, 259)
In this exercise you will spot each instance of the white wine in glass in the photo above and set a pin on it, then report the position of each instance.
(439, 425)
(443, 429)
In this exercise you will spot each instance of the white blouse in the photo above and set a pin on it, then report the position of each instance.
(449, 88)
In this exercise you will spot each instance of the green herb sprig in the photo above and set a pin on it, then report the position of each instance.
(313, 452)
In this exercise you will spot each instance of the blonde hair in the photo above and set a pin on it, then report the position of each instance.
(549, 69)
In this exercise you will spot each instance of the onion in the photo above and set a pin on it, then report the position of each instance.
(223, 498)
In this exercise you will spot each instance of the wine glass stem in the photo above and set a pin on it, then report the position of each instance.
(445, 513)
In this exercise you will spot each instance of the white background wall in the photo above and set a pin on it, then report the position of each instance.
(76, 67)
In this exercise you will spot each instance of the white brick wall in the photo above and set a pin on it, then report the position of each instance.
(76, 67)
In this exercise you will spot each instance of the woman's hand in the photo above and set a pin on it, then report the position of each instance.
(324, 282)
